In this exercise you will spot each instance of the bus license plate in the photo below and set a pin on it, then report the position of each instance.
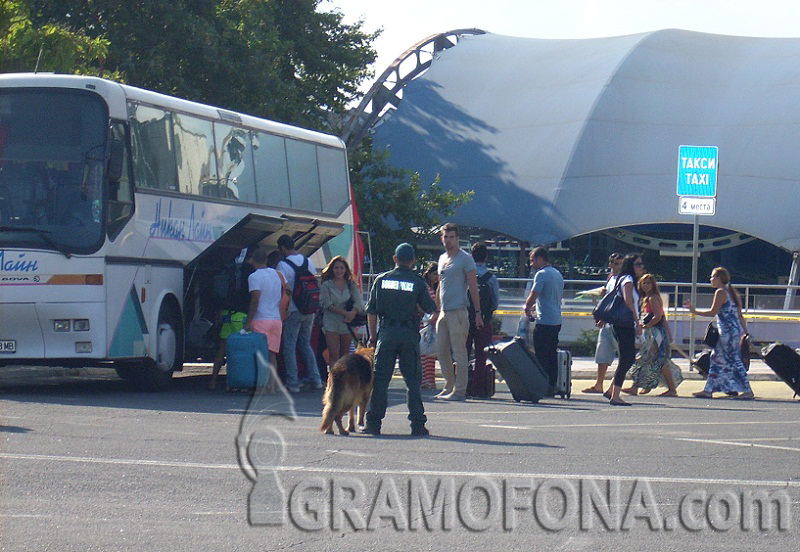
(8, 346)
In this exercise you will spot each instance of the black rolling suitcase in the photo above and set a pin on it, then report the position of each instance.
(522, 372)
(481, 387)
(785, 362)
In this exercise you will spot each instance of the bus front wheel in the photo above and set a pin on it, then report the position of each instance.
(157, 374)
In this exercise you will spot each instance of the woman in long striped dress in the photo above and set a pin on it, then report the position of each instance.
(431, 276)
(727, 373)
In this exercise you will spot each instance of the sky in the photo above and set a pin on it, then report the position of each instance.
(406, 22)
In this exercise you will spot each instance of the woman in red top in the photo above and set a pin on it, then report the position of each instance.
(653, 365)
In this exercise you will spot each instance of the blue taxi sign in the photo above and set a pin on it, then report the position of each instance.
(697, 171)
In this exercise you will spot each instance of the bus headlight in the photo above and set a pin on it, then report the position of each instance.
(61, 325)
(80, 325)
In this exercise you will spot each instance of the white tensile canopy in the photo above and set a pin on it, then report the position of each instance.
(559, 138)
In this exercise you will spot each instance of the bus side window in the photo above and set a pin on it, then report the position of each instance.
(120, 194)
(194, 154)
(153, 148)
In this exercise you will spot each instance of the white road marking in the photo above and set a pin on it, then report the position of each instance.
(118, 461)
(389, 472)
(769, 439)
(505, 426)
(352, 453)
(665, 424)
(617, 425)
(737, 444)
(561, 476)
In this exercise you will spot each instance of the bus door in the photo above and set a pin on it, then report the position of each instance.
(309, 235)
(207, 281)
(209, 277)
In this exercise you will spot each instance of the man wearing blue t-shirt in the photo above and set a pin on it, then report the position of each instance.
(544, 301)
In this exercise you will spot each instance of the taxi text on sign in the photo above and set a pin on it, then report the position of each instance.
(697, 171)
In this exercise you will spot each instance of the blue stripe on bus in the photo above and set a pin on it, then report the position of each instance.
(131, 329)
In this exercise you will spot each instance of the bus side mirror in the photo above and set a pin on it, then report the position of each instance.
(116, 160)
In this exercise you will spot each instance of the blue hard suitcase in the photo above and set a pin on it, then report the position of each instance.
(520, 369)
(247, 360)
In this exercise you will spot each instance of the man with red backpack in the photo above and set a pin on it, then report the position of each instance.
(300, 274)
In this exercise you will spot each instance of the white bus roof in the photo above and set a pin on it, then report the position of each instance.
(116, 96)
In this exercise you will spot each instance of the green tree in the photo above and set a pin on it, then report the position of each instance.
(280, 59)
(51, 47)
(394, 205)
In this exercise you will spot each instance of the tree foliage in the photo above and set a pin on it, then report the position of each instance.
(286, 60)
(279, 59)
(53, 47)
(394, 205)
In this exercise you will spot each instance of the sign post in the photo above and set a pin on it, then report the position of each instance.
(697, 192)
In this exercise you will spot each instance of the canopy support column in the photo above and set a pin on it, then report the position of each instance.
(794, 276)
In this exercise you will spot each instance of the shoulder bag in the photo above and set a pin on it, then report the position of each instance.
(360, 318)
(613, 310)
(745, 346)
(712, 336)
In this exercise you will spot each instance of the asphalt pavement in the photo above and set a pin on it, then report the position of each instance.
(88, 463)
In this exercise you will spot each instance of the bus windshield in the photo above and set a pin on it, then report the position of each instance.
(52, 150)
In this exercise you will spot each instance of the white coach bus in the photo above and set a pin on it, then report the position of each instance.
(119, 205)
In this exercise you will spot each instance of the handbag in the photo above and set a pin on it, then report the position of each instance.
(427, 340)
(702, 361)
(359, 319)
(744, 344)
(613, 310)
(712, 336)
(199, 333)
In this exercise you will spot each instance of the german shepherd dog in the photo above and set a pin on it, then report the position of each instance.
(349, 385)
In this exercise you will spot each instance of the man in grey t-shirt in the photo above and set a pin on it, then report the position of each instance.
(545, 301)
(456, 276)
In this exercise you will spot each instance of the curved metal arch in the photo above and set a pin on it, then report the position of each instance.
(383, 95)
(678, 248)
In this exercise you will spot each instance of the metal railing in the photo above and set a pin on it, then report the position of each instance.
(767, 320)
(755, 297)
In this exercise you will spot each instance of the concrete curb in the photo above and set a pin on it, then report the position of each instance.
(585, 368)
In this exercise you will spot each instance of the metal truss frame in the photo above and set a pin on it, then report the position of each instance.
(386, 93)
(678, 248)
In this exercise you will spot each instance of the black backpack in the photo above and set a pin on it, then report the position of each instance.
(229, 287)
(485, 294)
(305, 293)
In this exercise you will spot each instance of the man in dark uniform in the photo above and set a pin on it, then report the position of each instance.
(395, 299)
